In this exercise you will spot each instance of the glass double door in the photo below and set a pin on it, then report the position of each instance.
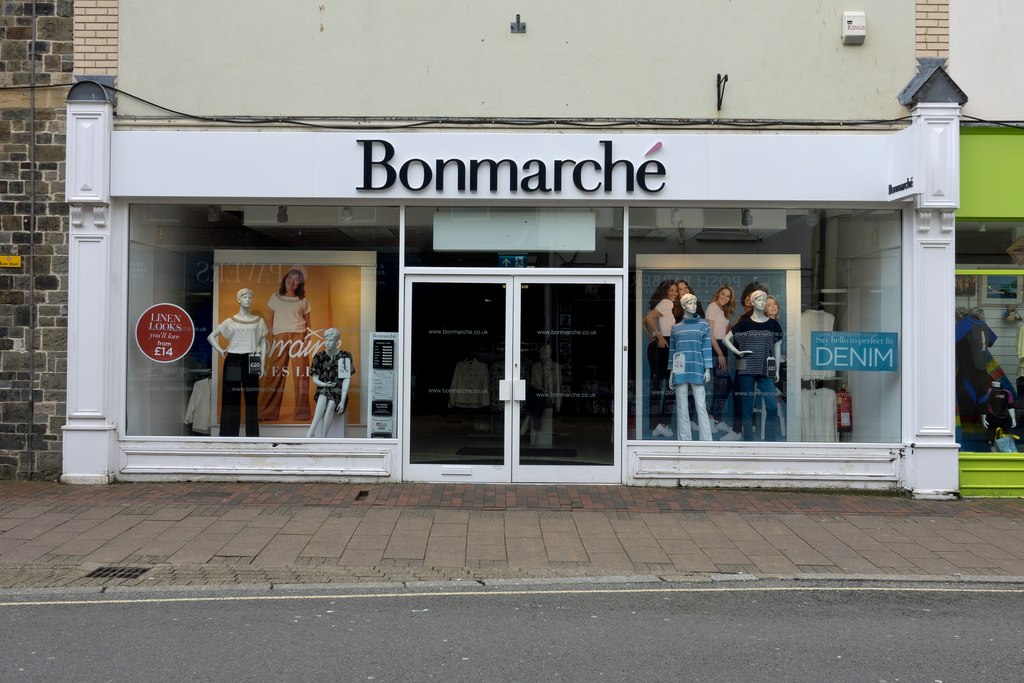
(512, 378)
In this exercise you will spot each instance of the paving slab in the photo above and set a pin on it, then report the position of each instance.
(200, 533)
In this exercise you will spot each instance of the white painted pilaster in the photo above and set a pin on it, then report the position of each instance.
(929, 261)
(89, 442)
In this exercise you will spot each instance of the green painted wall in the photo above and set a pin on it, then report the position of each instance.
(991, 174)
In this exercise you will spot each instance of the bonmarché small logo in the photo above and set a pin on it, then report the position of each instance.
(905, 185)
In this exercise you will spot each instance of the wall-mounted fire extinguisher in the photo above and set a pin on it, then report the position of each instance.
(844, 410)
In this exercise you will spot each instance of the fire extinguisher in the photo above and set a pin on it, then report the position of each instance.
(844, 410)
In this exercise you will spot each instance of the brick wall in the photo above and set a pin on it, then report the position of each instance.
(96, 37)
(932, 28)
(32, 388)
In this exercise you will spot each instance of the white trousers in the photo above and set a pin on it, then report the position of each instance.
(683, 412)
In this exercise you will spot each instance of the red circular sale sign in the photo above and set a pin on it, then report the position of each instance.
(165, 333)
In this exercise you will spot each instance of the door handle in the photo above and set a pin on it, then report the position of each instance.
(520, 389)
(511, 389)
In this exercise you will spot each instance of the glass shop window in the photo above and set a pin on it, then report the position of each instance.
(989, 336)
(250, 321)
(764, 325)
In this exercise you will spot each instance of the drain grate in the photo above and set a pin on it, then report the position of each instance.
(117, 573)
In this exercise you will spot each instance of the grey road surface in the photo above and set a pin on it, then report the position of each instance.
(758, 631)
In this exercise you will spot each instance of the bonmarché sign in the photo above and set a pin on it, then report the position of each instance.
(383, 168)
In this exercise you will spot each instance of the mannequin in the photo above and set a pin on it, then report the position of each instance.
(245, 361)
(757, 343)
(546, 386)
(332, 374)
(690, 358)
(998, 411)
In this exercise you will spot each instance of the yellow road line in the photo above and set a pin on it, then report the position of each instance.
(505, 593)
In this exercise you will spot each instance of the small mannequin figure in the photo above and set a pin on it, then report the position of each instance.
(244, 363)
(690, 358)
(332, 374)
(757, 343)
(998, 411)
(545, 397)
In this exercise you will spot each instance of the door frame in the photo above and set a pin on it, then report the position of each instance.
(511, 471)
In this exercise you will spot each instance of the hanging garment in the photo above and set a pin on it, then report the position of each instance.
(469, 388)
(197, 414)
(814, 320)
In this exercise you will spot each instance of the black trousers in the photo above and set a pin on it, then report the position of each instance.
(236, 382)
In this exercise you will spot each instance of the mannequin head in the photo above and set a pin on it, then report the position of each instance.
(244, 296)
(758, 300)
(748, 290)
(332, 338)
(544, 352)
(689, 302)
(293, 284)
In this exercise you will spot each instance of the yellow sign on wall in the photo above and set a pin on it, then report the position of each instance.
(10, 262)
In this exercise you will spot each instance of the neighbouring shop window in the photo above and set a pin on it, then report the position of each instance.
(513, 237)
(250, 321)
(820, 345)
(989, 335)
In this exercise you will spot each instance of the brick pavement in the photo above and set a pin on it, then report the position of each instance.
(279, 533)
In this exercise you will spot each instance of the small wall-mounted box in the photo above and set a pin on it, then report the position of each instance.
(855, 28)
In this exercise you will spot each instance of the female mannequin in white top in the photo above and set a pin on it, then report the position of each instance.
(243, 365)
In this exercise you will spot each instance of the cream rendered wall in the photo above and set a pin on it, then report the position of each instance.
(985, 56)
(578, 58)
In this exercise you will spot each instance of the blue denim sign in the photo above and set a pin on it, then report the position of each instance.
(863, 351)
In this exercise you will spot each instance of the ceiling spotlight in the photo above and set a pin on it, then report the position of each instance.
(346, 214)
(282, 214)
(213, 214)
(746, 218)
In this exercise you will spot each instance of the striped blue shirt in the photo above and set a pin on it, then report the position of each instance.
(691, 340)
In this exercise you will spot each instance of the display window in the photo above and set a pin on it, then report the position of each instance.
(768, 325)
(262, 321)
(989, 335)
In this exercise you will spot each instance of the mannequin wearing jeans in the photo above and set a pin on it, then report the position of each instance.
(690, 358)
(247, 336)
(754, 340)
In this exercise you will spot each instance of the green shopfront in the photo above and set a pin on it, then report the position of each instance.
(989, 294)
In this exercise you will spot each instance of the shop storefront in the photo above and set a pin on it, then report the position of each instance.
(481, 306)
(989, 335)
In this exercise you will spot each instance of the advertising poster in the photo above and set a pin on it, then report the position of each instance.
(298, 296)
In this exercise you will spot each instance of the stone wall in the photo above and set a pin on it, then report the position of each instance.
(34, 295)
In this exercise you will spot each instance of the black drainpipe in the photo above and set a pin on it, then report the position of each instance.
(30, 437)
